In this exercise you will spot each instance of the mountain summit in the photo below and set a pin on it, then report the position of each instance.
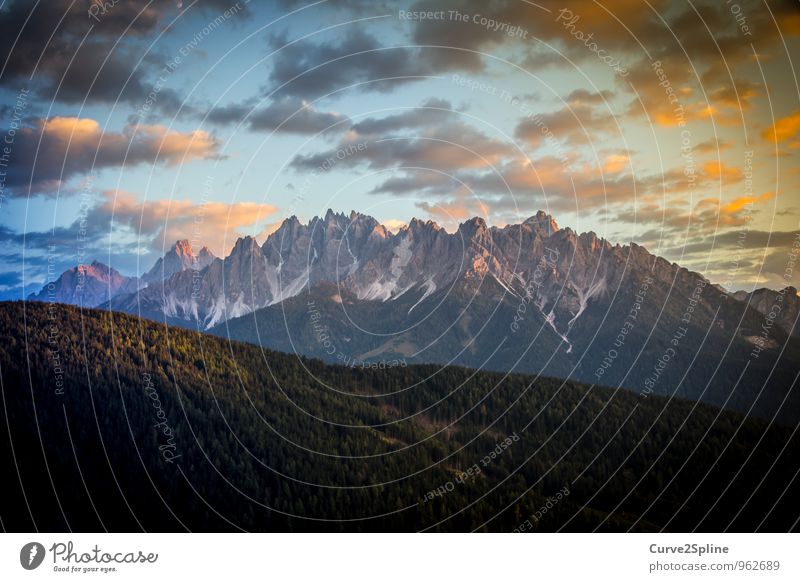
(179, 258)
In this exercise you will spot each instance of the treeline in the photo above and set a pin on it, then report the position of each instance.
(121, 424)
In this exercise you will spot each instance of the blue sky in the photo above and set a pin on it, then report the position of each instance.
(424, 113)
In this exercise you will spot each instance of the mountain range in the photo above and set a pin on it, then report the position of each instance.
(530, 297)
(94, 284)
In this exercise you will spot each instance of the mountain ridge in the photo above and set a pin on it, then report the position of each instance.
(532, 297)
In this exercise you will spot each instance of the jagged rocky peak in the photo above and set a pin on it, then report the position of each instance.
(179, 258)
(380, 232)
(205, 256)
(474, 224)
(765, 300)
(88, 285)
(592, 241)
(542, 223)
(417, 225)
(183, 248)
(245, 245)
(96, 268)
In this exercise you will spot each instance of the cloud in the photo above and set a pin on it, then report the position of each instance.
(358, 6)
(47, 152)
(73, 57)
(784, 129)
(706, 224)
(162, 222)
(451, 213)
(431, 111)
(719, 171)
(616, 163)
(677, 180)
(284, 116)
(778, 263)
(712, 145)
(393, 224)
(10, 279)
(712, 213)
(737, 96)
(309, 70)
(576, 123)
(751, 239)
(446, 148)
(457, 44)
(581, 97)
(132, 231)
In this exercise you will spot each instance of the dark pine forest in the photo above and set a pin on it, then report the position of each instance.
(122, 424)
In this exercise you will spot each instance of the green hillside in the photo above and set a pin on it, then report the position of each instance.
(121, 424)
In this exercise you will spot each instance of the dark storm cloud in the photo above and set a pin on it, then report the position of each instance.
(72, 56)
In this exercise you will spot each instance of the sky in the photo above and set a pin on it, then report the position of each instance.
(129, 125)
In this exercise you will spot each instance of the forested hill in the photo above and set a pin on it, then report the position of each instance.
(120, 424)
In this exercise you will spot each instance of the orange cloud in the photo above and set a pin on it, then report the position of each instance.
(738, 204)
(714, 170)
(176, 147)
(216, 225)
(450, 213)
(784, 129)
(616, 163)
(393, 224)
(50, 151)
